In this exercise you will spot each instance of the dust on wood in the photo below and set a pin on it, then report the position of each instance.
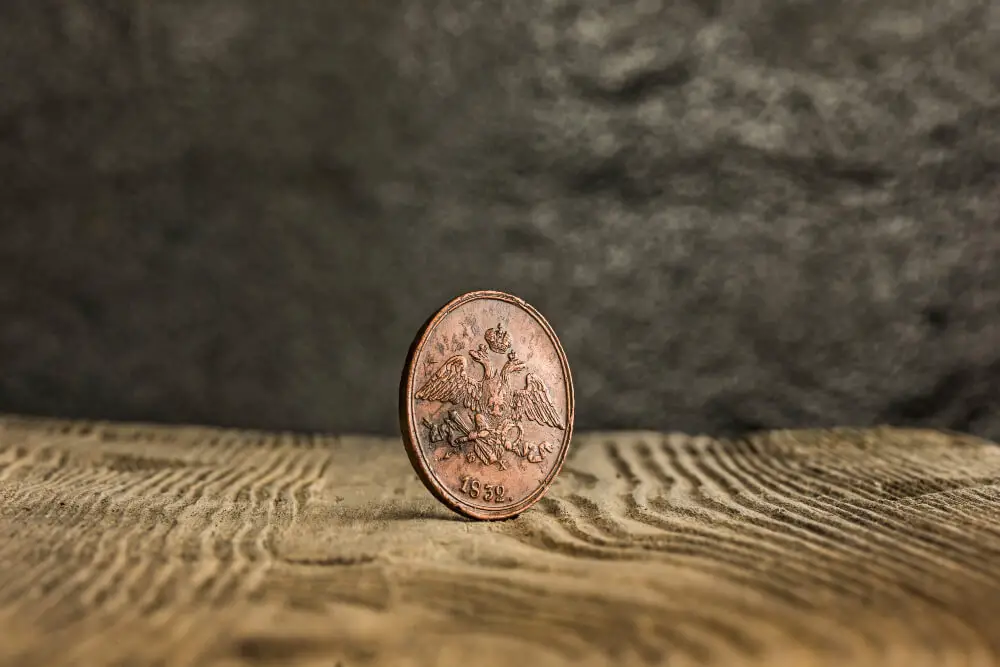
(186, 546)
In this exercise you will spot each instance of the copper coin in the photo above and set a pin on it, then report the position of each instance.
(486, 405)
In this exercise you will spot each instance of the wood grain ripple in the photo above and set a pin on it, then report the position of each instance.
(132, 544)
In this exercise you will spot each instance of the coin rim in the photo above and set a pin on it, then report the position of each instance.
(412, 443)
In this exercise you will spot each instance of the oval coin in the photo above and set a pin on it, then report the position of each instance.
(486, 405)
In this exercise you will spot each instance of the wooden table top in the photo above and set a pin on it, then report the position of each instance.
(143, 545)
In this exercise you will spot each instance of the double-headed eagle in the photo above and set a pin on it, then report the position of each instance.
(497, 407)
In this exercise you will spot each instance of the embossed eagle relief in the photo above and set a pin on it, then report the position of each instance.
(496, 407)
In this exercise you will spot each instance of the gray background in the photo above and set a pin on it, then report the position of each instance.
(736, 214)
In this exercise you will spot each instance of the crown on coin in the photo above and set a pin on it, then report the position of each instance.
(497, 339)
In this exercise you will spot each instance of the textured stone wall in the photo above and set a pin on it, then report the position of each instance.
(736, 214)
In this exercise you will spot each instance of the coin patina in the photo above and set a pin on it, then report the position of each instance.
(486, 405)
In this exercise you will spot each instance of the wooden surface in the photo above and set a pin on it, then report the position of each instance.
(128, 545)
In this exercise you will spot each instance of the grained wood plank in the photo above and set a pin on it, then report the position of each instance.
(125, 544)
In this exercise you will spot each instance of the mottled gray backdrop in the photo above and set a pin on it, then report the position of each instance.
(736, 213)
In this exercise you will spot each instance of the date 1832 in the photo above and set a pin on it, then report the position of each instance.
(473, 488)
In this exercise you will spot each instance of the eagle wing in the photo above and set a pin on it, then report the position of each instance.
(452, 384)
(533, 402)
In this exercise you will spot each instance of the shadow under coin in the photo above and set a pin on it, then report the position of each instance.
(397, 511)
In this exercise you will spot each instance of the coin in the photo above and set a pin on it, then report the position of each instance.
(486, 405)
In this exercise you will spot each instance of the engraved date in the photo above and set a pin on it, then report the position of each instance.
(474, 488)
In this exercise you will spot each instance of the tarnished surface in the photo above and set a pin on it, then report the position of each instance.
(486, 405)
